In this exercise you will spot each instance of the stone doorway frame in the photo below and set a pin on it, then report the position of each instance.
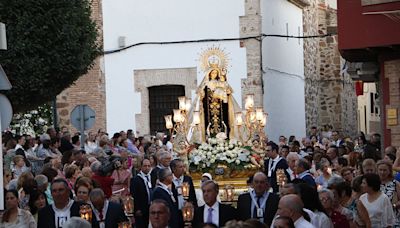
(143, 79)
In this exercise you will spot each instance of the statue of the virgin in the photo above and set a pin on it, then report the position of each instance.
(214, 97)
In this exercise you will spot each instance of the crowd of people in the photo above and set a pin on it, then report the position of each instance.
(329, 182)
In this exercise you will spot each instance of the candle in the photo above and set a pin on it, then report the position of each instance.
(128, 205)
(259, 114)
(85, 212)
(177, 115)
(168, 121)
(239, 119)
(229, 193)
(185, 189)
(249, 102)
(196, 117)
(182, 103)
(188, 104)
(264, 119)
(188, 212)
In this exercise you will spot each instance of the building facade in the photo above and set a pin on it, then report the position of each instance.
(297, 81)
(369, 39)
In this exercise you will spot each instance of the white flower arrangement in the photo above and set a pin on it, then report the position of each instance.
(218, 151)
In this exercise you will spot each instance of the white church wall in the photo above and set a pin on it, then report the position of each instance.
(283, 63)
(162, 21)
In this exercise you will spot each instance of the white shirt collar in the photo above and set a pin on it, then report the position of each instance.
(276, 159)
(299, 221)
(104, 210)
(180, 178)
(215, 206)
(162, 185)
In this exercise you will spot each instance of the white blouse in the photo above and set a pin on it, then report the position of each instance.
(24, 219)
(380, 211)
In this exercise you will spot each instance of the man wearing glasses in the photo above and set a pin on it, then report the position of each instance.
(159, 214)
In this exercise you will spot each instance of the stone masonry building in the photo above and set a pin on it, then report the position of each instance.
(329, 90)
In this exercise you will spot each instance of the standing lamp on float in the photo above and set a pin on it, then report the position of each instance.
(253, 123)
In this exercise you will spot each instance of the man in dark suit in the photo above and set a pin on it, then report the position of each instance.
(141, 189)
(104, 211)
(178, 169)
(213, 211)
(273, 163)
(163, 160)
(163, 191)
(258, 203)
(55, 215)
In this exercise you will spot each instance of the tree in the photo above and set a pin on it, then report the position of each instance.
(51, 43)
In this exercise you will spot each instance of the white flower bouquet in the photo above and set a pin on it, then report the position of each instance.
(219, 152)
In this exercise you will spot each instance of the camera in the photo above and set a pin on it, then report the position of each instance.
(109, 165)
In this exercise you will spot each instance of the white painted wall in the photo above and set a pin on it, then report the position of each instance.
(160, 20)
(365, 117)
(283, 62)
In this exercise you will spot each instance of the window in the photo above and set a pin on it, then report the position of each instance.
(162, 100)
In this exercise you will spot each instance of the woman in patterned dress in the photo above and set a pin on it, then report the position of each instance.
(390, 186)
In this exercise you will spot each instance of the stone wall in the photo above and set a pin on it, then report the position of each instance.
(330, 95)
(88, 89)
(311, 66)
(392, 73)
(143, 79)
(250, 25)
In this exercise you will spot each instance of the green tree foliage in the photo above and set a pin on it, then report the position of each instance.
(50, 44)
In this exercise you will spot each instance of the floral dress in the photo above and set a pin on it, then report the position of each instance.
(389, 189)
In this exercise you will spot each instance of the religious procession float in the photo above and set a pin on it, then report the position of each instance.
(212, 133)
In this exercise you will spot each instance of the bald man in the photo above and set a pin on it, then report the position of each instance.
(291, 206)
(258, 203)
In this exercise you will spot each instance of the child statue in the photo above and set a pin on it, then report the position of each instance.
(182, 150)
(257, 156)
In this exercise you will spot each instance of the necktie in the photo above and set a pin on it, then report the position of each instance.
(255, 207)
(147, 177)
(101, 215)
(210, 215)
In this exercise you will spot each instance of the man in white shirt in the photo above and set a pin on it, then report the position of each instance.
(213, 211)
(291, 159)
(164, 159)
(63, 208)
(163, 191)
(178, 169)
(292, 206)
